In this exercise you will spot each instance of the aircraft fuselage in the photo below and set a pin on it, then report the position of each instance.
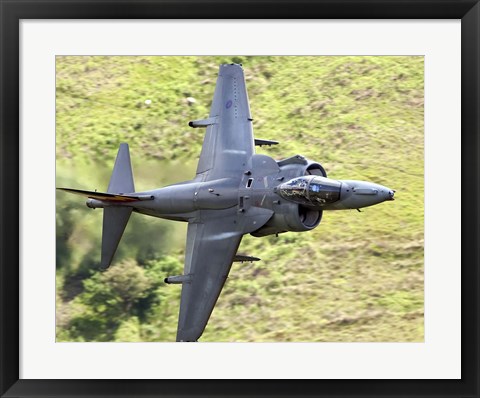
(264, 183)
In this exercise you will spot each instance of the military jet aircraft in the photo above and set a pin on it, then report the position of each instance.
(234, 192)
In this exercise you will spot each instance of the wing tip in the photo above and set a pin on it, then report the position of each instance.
(231, 70)
(189, 335)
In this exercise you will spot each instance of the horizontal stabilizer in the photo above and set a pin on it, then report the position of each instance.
(242, 259)
(115, 220)
(121, 180)
(259, 142)
(109, 197)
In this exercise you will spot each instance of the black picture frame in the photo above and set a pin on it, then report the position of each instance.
(12, 11)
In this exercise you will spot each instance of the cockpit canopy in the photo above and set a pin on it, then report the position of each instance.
(311, 190)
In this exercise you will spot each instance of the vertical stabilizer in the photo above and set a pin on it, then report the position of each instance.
(121, 180)
(114, 222)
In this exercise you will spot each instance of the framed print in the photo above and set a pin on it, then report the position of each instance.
(381, 302)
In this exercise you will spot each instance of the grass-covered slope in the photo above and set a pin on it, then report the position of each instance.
(356, 277)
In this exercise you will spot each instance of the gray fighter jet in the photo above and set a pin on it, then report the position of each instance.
(234, 192)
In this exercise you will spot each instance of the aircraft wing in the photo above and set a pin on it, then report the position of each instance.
(208, 258)
(228, 142)
(212, 243)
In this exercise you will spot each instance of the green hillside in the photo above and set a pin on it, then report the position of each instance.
(356, 277)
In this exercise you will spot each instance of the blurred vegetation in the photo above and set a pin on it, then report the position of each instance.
(356, 277)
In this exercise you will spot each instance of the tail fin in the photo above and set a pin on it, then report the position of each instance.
(107, 197)
(115, 213)
(121, 180)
